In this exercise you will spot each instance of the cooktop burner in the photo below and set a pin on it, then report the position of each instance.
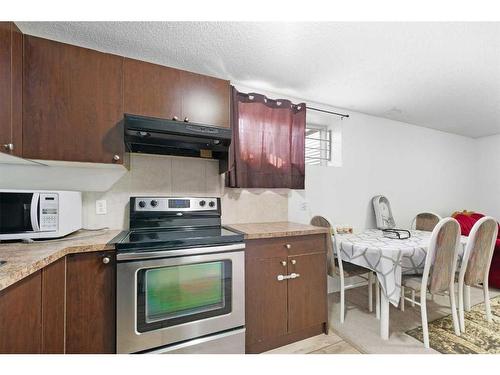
(176, 238)
(168, 223)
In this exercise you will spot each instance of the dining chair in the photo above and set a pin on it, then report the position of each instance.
(439, 271)
(476, 264)
(341, 270)
(425, 221)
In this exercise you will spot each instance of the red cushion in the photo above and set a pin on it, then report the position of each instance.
(466, 223)
(476, 216)
(494, 276)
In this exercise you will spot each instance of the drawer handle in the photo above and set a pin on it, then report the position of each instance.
(288, 246)
(293, 261)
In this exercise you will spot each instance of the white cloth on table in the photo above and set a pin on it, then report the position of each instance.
(389, 258)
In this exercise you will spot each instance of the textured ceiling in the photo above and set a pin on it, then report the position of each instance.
(439, 75)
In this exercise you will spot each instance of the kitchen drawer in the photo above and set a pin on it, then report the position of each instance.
(285, 246)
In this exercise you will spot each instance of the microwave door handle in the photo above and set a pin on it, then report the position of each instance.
(34, 212)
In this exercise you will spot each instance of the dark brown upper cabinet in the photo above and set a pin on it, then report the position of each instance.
(205, 100)
(151, 90)
(160, 91)
(11, 80)
(72, 103)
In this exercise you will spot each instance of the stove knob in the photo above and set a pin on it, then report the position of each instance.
(142, 204)
(211, 204)
(202, 203)
(154, 203)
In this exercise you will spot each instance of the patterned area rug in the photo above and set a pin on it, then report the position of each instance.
(479, 337)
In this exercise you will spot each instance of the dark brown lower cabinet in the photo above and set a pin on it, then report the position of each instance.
(66, 307)
(21, 316)
(90, 303)
(53, 307)
(280, 309)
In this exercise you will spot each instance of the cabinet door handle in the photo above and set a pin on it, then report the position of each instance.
(293, 275)
(175, 118)
(116, 157)
(288, 246)
(293, 261)
(186, 119)
(283, 263)
(106, 260)
(9, 146)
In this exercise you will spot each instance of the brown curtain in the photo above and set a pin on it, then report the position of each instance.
(267, 150)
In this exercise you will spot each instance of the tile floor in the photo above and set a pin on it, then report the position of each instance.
(360, 331)
(321, 344)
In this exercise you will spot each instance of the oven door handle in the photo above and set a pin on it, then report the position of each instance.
(136, 255)
(34, 212)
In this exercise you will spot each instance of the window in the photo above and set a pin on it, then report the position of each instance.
(318, 145)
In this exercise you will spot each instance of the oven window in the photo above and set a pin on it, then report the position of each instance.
(179, 294)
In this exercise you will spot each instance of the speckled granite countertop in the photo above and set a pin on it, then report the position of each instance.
(23, 259)
(275, 229)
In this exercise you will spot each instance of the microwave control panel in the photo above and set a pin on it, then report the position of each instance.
(49, 210)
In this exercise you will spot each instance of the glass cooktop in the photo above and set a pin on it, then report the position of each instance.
(147, 239)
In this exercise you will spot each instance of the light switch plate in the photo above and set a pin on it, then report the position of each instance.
(100, 207)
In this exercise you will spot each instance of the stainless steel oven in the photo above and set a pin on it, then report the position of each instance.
(187, 300)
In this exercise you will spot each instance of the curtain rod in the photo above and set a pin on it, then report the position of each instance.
(329, 112)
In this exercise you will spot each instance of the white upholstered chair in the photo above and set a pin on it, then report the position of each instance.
(439, 271)
(341, 270)
(476, 264)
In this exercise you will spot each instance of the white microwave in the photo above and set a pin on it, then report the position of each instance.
(29, 214)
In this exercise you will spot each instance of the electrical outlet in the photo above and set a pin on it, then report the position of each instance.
(303, 206)
(100, 207)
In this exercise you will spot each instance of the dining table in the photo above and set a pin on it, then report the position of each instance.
(389, 258)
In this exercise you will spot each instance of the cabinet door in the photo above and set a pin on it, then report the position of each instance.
(21, 316)
(205, 100)
(53, 307)
(307, 294)
(151, 90)
(11, 64)
(90, 303)
(72, 103)
(265, 299)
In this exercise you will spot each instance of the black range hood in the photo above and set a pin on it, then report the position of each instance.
(151, 135)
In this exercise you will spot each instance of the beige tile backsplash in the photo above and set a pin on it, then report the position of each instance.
(182, 176)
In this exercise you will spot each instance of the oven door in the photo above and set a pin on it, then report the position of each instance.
(18, 212)
(167, 300)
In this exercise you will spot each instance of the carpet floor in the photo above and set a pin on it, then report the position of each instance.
(479, 336)
(361, 328)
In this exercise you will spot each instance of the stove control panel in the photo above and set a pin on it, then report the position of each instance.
(175, 204)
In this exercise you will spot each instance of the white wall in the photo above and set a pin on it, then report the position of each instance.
(416, 168)
(488, 181)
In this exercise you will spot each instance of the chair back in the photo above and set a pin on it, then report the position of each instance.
(479, 251)
(441, 260)
(426, 221)
(320, 221)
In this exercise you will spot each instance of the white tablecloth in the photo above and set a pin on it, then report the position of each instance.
(389, 258)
